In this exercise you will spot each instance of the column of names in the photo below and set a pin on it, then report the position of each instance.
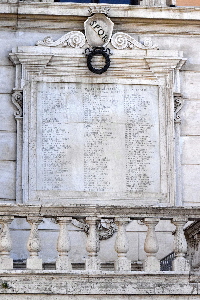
(98, 138)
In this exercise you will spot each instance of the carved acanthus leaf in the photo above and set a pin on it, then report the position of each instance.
(74, 39)
(17, 99)
(178, 104)
(121, 40)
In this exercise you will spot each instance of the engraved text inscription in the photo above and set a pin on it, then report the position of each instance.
(98, 138)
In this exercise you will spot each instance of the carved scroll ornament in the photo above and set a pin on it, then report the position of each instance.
(121, 40)
(178, 104)
(17, 99)
(74, 39)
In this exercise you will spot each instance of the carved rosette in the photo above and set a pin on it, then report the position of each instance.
(74, 39)
(178, 104)
(17, 99)
(121, 40)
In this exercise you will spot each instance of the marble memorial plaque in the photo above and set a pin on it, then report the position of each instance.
(97, 139)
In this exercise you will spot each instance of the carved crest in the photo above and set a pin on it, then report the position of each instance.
(98, 30)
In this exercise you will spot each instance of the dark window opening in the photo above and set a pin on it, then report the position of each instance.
(130, 2)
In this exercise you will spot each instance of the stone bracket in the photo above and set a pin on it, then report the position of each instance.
(178, 104)
(17, 99)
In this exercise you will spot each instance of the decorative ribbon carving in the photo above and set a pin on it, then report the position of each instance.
(74, 39)
(122, 40)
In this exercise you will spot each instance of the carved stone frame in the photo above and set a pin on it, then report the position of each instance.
(52, 64)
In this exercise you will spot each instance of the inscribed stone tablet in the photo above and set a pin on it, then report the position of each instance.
(100, 138)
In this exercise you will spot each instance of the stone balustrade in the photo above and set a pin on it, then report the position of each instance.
(92, 214)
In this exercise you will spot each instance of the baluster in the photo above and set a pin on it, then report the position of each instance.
(180, 264)
(63, 244)
(6, 262)
(121, 245)
(151, 247)
(92, 245)
(33, 245)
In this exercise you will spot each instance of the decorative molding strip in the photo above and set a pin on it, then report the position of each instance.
(121, 40)
(74, 39)
(17, 99)
(99, 10)
(178, 104)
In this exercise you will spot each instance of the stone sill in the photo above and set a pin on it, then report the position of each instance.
(116, 11)
(85, 283)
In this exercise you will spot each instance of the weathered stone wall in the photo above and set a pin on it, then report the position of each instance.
(24, 24)
(170, 28)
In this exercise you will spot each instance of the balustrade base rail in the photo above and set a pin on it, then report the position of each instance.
(53, 282)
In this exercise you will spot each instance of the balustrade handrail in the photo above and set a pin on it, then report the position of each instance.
(121, 216)
(100, 211)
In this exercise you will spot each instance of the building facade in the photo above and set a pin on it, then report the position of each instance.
(99, 155)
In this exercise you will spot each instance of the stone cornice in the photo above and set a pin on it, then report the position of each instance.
(67, 12)
(116, 11)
